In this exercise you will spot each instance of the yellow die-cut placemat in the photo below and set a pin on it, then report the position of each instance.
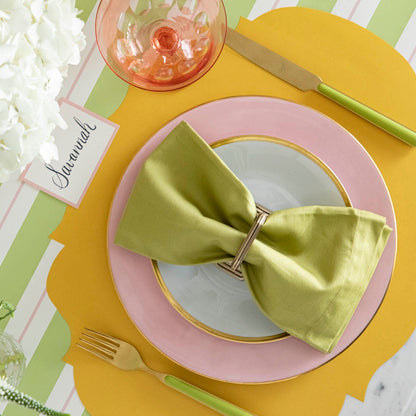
(348, 58)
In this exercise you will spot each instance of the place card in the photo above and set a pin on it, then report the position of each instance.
(81, 147)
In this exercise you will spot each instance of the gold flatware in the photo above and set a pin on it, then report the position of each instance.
(125, 356)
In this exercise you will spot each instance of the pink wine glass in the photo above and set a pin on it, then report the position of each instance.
(160, 45)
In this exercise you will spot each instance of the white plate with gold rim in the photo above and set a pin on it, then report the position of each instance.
(279, 175)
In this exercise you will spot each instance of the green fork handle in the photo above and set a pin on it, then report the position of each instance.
(208, 399)
(390, 126)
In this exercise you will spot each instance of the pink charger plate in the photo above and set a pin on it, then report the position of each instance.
(206, 354)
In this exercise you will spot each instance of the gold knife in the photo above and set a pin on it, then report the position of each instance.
(305, 80)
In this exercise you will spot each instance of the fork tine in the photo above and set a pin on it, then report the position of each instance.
(113, 347)
(99, 355)
(108, 338)
(98, 347)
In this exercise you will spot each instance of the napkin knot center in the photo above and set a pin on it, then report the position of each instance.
(234, 267)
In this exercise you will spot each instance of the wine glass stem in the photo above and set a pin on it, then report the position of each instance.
(165, 39)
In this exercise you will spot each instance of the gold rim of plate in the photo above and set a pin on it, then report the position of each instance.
(187, 315)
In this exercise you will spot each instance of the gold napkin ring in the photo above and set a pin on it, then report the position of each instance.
(233, 267)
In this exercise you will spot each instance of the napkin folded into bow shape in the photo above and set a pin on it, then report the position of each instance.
(308, 267)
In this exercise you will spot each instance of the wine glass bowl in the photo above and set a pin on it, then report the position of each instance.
(160, 45)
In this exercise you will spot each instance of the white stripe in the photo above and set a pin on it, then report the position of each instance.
(413, 63)
(343, 8)
(260, 7)
(7, 192)
(16, 218)
(407, 41)
(89, 31)
(286, 3)
(88, 79)
(364, 12)
(75, 406)
(264, 6)
(33, 291)
(61, 391)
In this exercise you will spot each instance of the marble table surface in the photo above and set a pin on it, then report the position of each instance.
(392, 389)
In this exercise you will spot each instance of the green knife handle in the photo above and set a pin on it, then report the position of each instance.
(208, 399)
(378, 119)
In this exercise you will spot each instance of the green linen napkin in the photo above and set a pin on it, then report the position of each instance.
(308, 267)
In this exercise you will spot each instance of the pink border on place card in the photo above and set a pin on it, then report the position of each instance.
(78, 202)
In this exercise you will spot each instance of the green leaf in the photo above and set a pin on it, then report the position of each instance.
(6, 309)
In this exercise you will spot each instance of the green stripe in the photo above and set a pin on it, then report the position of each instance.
(28, 247)
(107, 94)
(323, 5)
(45, 366)
(85, 6)
(237, 8)
(390, 19)
(86, 413)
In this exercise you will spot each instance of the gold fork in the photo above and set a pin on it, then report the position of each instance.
(123, 355)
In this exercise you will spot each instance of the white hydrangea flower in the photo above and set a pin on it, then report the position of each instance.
(38, 40)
